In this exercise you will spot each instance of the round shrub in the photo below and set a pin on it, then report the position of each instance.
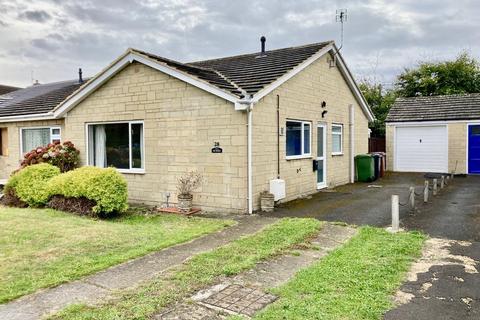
(107, 187)
(30, 184)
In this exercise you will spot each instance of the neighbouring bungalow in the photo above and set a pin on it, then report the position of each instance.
(434, 134)
(7, 89)
(287, 120)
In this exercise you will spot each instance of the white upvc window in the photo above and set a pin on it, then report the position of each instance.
(299, 139)
(337, 139)
(34, 137)
(116, 144)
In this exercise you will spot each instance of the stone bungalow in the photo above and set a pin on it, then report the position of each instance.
(288, 120)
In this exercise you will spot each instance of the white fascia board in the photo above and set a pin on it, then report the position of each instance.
(344, 69)
(262, 93)
(91, 86)
(185, 77)
(354, 87)
(28, 117)
(121, 63)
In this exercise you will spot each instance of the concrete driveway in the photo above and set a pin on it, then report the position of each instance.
(446, 289)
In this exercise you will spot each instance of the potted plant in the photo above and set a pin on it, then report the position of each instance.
(187, 183)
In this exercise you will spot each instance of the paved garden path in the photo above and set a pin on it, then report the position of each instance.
(103, 284)
(245, 294)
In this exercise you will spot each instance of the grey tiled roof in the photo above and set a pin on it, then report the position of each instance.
(238, 75)
(36, 99)
(253, 72)
(6, 89)
(247, 73)
(435, 108)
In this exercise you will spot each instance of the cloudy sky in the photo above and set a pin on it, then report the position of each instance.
(51, 39)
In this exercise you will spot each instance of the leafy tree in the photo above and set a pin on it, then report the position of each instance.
(380, 100)
(461, 75)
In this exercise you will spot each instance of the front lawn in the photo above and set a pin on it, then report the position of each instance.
(200, 271)
(42, 247)
(355, 281)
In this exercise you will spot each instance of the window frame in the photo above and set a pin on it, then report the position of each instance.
(303, 155)
(338, 125)
(52, 136)
(130, 170)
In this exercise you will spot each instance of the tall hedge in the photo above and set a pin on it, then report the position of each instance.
(31, 184)
(107, 187)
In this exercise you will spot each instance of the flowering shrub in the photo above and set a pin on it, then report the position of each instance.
(64, 156)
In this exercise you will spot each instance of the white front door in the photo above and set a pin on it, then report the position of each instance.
(321, 159)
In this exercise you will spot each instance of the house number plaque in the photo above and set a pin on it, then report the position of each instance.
(216, 148)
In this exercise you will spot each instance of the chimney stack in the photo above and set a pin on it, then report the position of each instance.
(263, 40)
(80, 79)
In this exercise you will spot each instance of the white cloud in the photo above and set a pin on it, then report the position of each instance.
(55, 37)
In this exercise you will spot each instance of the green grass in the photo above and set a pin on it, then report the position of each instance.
(200, 271)
(41, 247)
(355, 281)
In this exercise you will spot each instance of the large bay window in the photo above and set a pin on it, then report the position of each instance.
(118, 145)
(32, 138)
(298, 139)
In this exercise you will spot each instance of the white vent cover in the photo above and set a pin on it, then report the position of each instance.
(277, 188)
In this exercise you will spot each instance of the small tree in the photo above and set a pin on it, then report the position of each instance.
(380, 100)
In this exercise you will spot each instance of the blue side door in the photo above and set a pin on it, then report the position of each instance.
(474, 149)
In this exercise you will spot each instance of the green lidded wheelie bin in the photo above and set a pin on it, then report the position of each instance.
(364, 166)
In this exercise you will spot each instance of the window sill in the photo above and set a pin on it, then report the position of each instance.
(309, 156)
(335, 154)
(132, 171)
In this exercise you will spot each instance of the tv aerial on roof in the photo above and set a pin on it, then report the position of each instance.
(342, 17)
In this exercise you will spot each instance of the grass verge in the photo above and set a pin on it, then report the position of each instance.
(42, 247)
(199, 271)
(355, 281)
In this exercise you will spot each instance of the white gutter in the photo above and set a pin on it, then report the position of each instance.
(352, 143)
(28, 117)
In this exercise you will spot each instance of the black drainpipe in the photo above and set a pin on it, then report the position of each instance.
(278, 136)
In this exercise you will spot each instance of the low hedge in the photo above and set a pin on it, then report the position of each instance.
(30, 184)
(107, 187)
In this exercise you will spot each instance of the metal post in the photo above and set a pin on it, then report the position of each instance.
(425, 192)
(451, 176)
(447, 180)
(434, 187)
(442, 182)
(412, 198)
(395, 213)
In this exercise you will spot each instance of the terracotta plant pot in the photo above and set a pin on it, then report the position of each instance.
(185, 203)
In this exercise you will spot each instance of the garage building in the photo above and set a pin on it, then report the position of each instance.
(434, 134)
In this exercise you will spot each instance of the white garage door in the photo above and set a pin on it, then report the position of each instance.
(421, 149)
